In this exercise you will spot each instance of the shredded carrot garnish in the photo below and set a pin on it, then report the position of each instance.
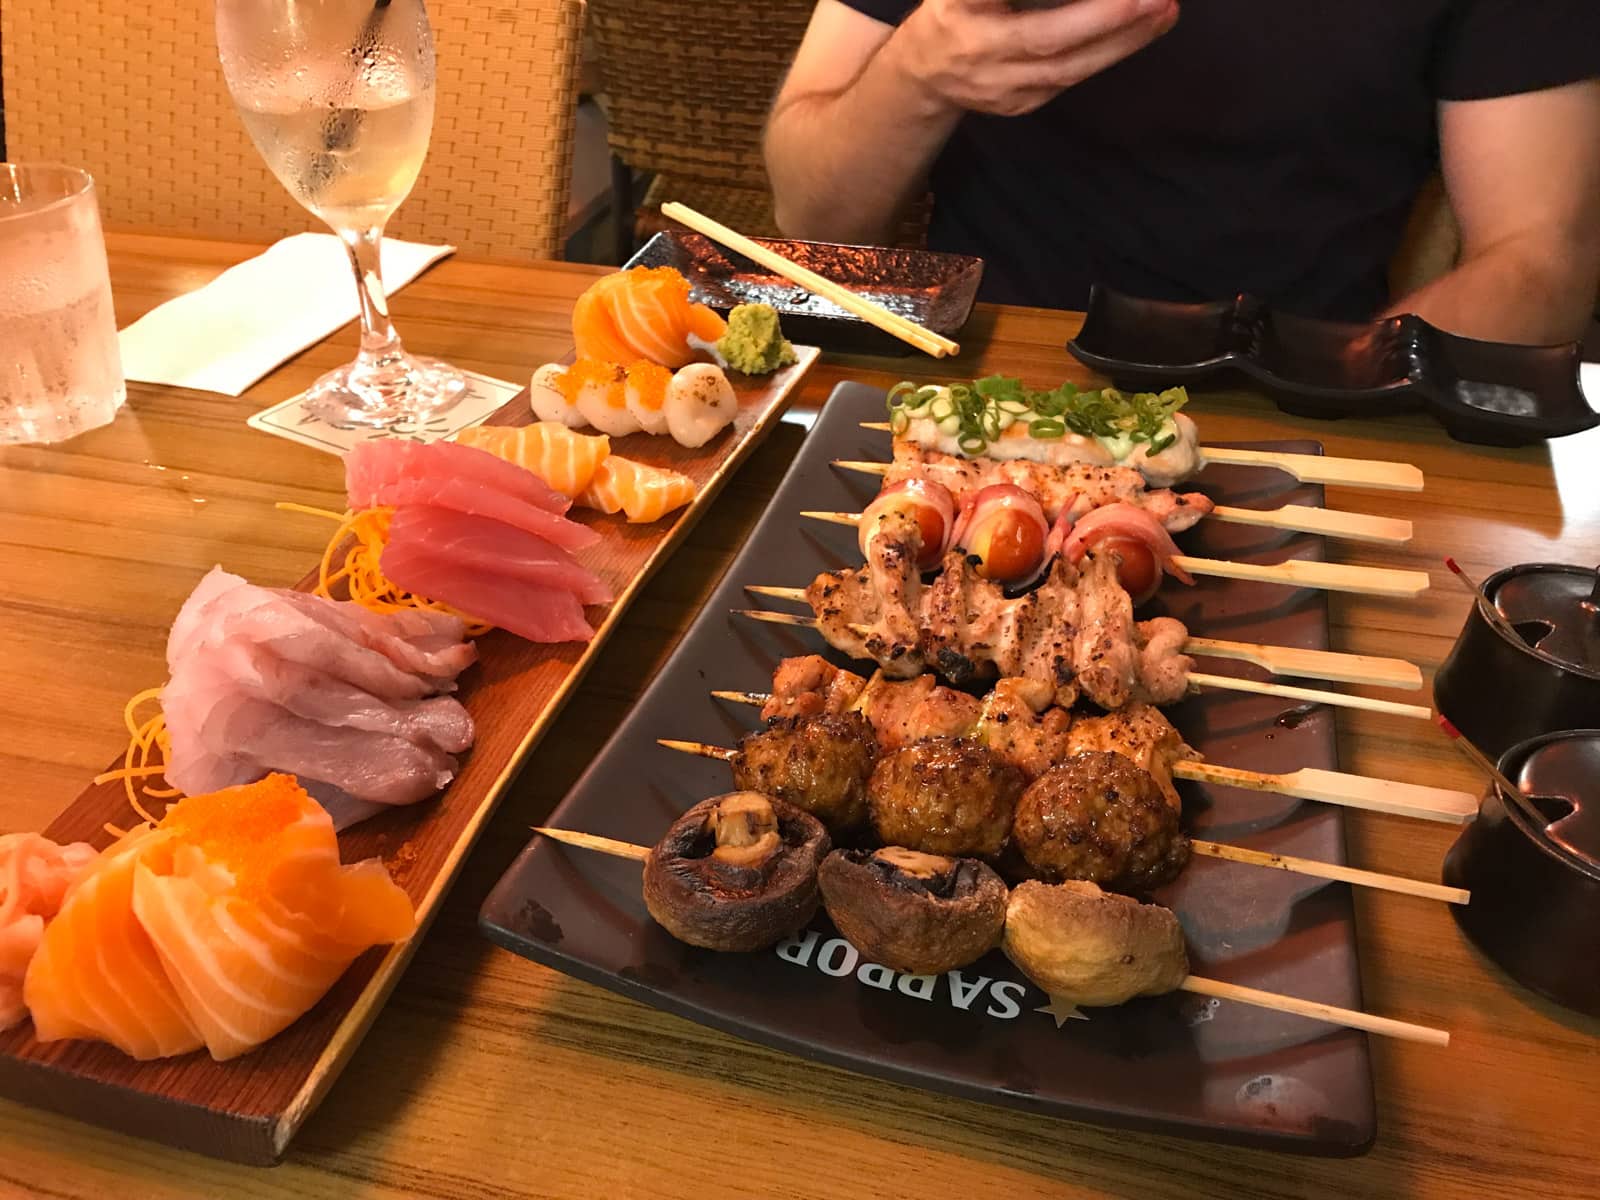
(146, 755)
(361, 536)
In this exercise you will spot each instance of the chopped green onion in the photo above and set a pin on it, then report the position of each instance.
(1046, 427)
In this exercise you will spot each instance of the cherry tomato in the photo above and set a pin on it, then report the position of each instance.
(929, 504)
(1138, 569)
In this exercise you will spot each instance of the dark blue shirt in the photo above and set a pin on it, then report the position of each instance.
(1271, 146)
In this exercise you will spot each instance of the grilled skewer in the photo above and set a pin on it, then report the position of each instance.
(1293, 572)
(1348, 1018)
(1197, 681)
(1307, 468)
(1280, 660)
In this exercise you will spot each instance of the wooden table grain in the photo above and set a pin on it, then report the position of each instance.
(488, 1076)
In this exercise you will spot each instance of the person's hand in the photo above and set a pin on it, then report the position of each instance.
(985, 56)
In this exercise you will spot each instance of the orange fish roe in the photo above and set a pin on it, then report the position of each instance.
(589, 371)
(238, 826)
(649, 382)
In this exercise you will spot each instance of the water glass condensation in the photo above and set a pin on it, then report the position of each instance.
(60, 369)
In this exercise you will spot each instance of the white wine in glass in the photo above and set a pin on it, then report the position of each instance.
(338, 97)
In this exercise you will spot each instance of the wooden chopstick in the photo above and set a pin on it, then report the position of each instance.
(874, 314)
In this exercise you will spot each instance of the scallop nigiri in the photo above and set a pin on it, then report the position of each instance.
(598, 391)
(556, 453)
(35, 874)
(645, 493)
(548, 401)
(642, 313)
(219, 926)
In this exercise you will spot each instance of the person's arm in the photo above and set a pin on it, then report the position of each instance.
(1523, 176)
(866, 107)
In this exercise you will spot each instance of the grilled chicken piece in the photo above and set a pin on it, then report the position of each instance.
(1012, 727)
(809, 684)
(1138, 732)
(1079, 487)
(1163, 666)
(905, 711)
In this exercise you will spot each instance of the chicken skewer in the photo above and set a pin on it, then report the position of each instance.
(1074, 631)
(1294, 572)
(1084, 486)
(1280, 660)
(1040, 945)
(1192, 459)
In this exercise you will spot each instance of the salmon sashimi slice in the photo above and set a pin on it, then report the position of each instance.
(594, 332)
(97, 975)
(371, 468)
(651, 317)
(469, 496)
(706, 323)
(252, 917)
(643, 492)
(481, 546)
(536, 613)
(35, 874)
(558, 454)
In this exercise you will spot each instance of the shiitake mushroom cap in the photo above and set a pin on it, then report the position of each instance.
(708, 902)
(923, 924)
(1093, 947)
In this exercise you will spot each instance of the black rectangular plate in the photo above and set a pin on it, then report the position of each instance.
(935, 290)
(1179, 1063)
(1491, 393)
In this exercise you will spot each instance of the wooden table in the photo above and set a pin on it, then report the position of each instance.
(487, 1076)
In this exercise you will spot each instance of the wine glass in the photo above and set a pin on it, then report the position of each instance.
(338, 97)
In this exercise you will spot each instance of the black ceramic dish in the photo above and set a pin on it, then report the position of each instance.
(1485, 392)
(1536, 885)
(1544, 657)
(935, 290)
(1176, 1063)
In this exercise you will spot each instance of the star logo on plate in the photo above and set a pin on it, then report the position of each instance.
(1062, 1010)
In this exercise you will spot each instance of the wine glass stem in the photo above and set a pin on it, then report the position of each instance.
(378, 338)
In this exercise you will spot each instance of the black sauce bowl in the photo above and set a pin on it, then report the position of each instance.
(1499, 689)
(1535, 886)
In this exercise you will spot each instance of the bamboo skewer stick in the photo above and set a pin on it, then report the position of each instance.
(874, 314)
(1230, 683)
(1416, 800)
(1308, 783)
(1321, 870)
(1350, 1018)
(1226, 683)
(1307, 468)
(1291, 518)
(1280, 660)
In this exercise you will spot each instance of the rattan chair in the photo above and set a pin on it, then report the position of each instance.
(686, 88)
(133, 93)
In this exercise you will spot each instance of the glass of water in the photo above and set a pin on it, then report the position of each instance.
(338, 97)
(60, 370)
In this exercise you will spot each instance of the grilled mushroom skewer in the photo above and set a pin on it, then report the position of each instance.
(1053, 944)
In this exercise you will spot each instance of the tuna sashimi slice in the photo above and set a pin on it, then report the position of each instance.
(481, 545)
(97, 975)
(469, 496)
(538, 614)
(370, 468)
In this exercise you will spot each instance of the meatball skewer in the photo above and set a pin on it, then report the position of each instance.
(927, 800)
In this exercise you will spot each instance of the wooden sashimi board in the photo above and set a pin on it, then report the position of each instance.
(249, 1109)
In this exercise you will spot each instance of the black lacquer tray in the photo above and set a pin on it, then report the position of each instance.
(1178, 1063)
(1486, 392)
(935, 290)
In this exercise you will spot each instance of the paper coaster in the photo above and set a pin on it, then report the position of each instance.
(291, 420)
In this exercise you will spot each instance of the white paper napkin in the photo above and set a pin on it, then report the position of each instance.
(260, 313)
